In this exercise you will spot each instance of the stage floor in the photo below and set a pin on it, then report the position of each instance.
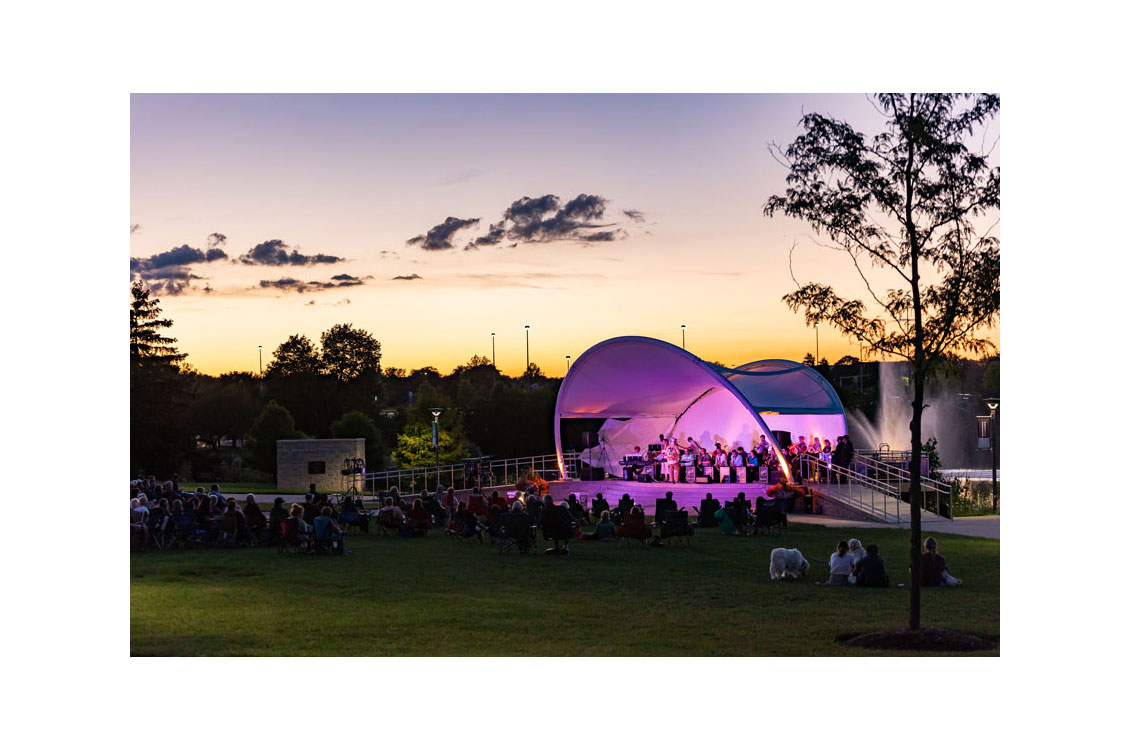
(646, 493)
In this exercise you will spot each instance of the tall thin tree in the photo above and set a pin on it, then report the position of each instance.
(914, 208)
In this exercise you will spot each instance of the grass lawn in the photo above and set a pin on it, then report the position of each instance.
(432, 597)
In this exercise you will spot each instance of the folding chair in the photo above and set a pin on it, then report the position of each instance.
(677, 525)
(516, 531)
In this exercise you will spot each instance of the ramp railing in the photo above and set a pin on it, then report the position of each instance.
(875, 487)
(467, 474)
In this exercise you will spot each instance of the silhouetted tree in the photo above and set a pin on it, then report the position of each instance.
(295, 356)
(356, 424)
(160, 436)
(273, 423)
(349, 353)
(907, 202)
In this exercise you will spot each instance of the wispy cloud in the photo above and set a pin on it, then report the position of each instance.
(464, 176)
(413, 277)
(298, 286)
(134, 228)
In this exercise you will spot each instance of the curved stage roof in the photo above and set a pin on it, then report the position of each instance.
(643, 387)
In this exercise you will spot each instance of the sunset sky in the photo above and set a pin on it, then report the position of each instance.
(335, 209)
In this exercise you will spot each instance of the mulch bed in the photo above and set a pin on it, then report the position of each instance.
(923, 639)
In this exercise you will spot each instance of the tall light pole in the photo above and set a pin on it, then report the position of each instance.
(684, 327)
(816, 362)
(493, 361)
(436, 411)
(260, 360)
(527, 348)
(993, 404)
(567, 363)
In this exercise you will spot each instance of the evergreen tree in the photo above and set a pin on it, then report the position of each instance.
(160, 436)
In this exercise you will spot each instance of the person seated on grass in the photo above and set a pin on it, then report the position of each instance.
(634, 526)
(419, 520)
(352, 513)
(605, 530)
(390, 516)
(275, 521)
(855, 549)
(932, 569)
(256, 521)
(870, 571)
(839, 565)
(496, 499)
(725, 522)
(327, 531)
(557, 524)
(215, 493)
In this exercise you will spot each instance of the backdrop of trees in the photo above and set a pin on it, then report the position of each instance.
(205, 426)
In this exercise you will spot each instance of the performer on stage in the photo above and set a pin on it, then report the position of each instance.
(671, 461)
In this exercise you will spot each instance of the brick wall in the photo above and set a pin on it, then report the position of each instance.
(296, 458)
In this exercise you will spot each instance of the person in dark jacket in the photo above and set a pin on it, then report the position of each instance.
(932, 569)
(871, 570)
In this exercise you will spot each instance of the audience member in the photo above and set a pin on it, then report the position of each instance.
(871, 571)
(840, 565)
(326, 531)
(932, 568)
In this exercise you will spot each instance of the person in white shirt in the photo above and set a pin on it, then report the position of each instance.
(840, 564)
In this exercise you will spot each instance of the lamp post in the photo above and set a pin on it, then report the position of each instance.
(436, 411)
(994, 403)
(684, 327)
(260, 360)
(567, 358)
(527, 349)
(816, 361)
(493, 361)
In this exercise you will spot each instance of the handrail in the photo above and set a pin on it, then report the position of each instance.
(497, 473)
(878, 477)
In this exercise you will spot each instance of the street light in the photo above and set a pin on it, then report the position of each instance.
(527, 348)
(436, 411)
(994, 403)
(684, 327)
(567, 363)
(260, 360)
(816, 362)
(493, 361)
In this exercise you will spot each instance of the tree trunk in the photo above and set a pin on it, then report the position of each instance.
(916, 502)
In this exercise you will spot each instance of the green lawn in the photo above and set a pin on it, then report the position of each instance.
(429, 596)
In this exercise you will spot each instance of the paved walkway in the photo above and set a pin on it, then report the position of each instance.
(983, 526)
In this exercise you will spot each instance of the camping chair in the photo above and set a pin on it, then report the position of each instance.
(557, 525)
(599, 505)
(464, 526)
(623, 509)
(663, 506)
(677, 525)
(292, 539)
(186, 531)
(161, 528)
(706, 518)
(515, 530)
(738, 511)
(770, 516)
(634, 528)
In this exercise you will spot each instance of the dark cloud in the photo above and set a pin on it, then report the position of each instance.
(388, 254)
(167, 273)
(134, 228)
(542, 219)
(216, 239)
(178, 256)
(275, 253)
(413, 277)
(493, 237)
(288, 284)
(439, 236)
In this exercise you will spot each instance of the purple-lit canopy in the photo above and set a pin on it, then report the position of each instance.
(643, 387)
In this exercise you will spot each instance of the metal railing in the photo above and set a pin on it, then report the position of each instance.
(467, 474)
(875, 487)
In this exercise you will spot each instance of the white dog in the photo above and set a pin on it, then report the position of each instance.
(787, 562)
